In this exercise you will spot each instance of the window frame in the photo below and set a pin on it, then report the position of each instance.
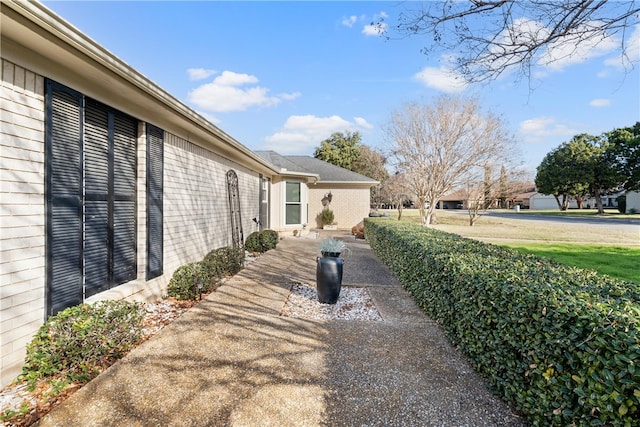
(288, 203)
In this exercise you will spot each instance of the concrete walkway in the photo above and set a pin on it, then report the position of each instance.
(232, 360)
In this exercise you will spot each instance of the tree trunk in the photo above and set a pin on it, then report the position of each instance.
(558, 201)
(599, 202)
(424, 216)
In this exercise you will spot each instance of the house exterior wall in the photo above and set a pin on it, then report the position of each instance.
(196, 204)
(543, 202)
(278, 202)
(22, 213)
(633, 201)
(196, 215)
(349, 204)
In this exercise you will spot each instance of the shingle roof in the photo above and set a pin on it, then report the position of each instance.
(308, 164)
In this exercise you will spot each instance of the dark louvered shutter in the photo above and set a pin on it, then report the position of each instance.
(125, 132)
(63, 159)
(155, 160)
(97, 236)
(110, 190)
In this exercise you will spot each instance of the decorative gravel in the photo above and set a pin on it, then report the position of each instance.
(353, 304)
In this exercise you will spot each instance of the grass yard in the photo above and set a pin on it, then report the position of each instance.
(616, 261)
(608, 250)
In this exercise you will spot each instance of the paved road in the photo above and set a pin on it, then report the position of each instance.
(632, 225)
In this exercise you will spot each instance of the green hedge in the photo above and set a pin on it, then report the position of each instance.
(262, 241)
(558, 343)
(190, 281)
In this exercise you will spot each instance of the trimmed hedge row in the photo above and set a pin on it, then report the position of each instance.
(189, 281)
(559, 343)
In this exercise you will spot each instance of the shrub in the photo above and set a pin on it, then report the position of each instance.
(622, 203)
(222, 262)
(326, 217)
(184, 282)
(254, 242)
(558, 343)
(261, 241)
(79, 342)
(270, 239)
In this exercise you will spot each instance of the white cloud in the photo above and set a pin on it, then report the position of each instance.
(541, 129)
(301, 134)
(631, 53)
(565, 52)
(200, 73)
(350, 21)
(375, 29)
(227, 92)
(554, 57)
(374, 26)
(362, 123)
(443, 79)
(289, 96)
(600, 102)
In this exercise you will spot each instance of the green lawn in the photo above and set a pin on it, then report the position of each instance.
(616, 261)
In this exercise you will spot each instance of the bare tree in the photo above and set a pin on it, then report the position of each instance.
(395, 191)
(371, 163)
(492, 190)
(440, 147)
(490, 37)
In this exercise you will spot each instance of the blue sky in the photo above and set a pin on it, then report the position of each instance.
(285, 75)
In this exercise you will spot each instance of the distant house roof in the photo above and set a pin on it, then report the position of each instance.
(456, 196)
(327, 172)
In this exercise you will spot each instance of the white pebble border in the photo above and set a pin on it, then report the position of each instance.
(353, 304)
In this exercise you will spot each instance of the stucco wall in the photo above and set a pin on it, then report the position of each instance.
(349, 205)
(22, 262)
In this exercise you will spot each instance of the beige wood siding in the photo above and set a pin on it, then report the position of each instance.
(22, 261)
(196, 206)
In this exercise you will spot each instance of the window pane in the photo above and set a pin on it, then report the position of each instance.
(293, 214)
(293, 192)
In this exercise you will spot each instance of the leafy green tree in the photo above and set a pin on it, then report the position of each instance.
(586, 165)
(606, 174)
(565, 171)
(624, 150)
(340, 149)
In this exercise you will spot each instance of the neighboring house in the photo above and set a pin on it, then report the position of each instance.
(459, 199)
(633, 201)
(316, 184)
(107, 182)
(541, 201)
(522, 199)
